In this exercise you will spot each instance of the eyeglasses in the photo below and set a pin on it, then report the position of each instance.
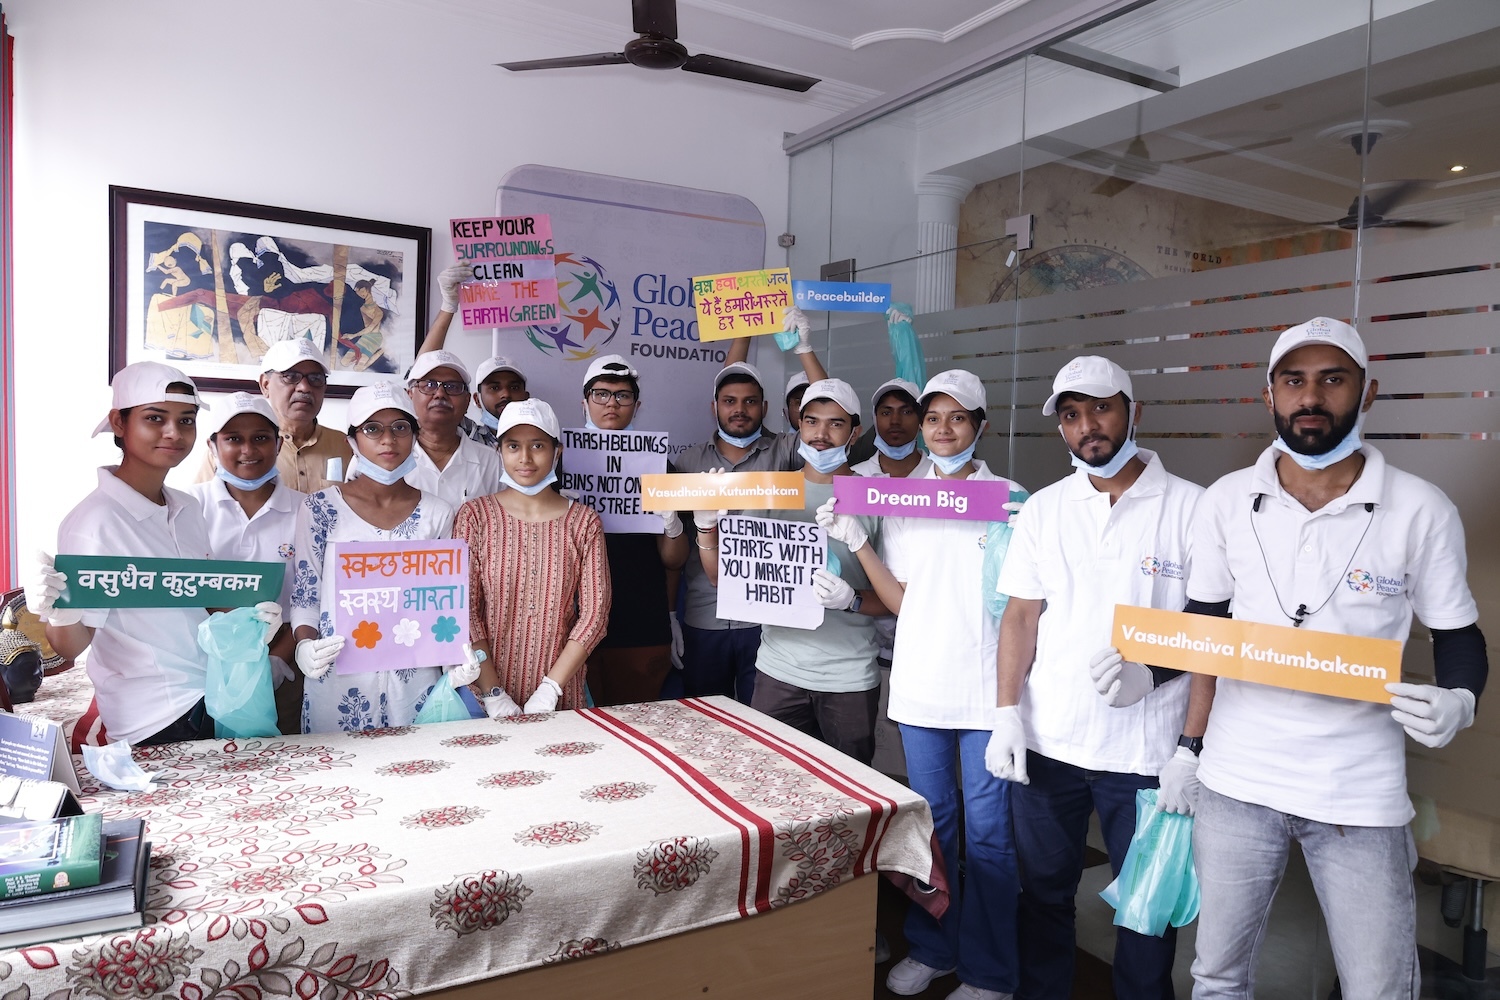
(398, 428)
(428, 387)
(314, 380)
(622, 396)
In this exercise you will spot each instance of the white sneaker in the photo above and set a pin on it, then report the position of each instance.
(967, 992)
(909, 977)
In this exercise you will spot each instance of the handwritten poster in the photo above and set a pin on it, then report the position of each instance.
(400, 604)
(131, 582)
(605, 467)
(515, 278)
(952, 499)
(766, 571)
(742, 304)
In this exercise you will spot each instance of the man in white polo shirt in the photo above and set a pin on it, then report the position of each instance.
(1322, 533)
(1114, 532)
(449, 465)
(897, 424)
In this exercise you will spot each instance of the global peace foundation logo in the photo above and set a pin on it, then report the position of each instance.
(1150, 566)
(1361, 581)
(588, 306)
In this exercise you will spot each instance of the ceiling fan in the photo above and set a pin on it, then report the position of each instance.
(657, 47)
(1375, 205)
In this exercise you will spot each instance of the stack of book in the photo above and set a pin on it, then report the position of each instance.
(72, 876)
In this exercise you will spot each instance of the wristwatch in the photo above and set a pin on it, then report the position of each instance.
(1193, 743)
(855, 604)
(496, 691)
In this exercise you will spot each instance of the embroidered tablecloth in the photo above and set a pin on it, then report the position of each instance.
(406, 860)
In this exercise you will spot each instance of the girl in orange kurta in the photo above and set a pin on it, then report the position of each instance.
(538, 574)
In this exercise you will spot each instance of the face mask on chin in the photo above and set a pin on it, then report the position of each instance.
(1348, 445)
(825, 461)
(533, 489)
(246, 484)
(385, 477)
(892, 452)
(1122, 456)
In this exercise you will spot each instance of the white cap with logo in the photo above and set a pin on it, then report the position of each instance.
(961, 385)
(1320, 330)
(893, 385)
(146, 382)
(369, 400)
(1090, 375)
(490, 366)
(797, 380)
(532, 413)
(284, 355)
(431, 360)
(609, 366)
(243, 402)
(739, 368)
(835, 391)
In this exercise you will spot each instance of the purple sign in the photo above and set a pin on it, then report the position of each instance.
(401, 604)
(955, 499)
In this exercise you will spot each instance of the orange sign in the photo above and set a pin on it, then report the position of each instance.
(725, 491)
(1344, 666)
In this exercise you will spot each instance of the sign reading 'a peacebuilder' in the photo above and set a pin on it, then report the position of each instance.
(842, 296)
(1344, 666)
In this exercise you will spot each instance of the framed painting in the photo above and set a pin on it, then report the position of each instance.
(207, 285)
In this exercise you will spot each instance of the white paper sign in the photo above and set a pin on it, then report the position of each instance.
(605, 467)
(766, 569)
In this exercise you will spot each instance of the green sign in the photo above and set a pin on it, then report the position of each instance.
(128, 582)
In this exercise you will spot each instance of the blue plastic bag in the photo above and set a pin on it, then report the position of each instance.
(443, 705)
(906, 348)
(238, 692)
(996, 543)
(1157, 885)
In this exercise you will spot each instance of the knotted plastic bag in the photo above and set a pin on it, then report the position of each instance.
(996, 543)
(906, 348)
(443, 705)
(238, 693)
(1157, 885)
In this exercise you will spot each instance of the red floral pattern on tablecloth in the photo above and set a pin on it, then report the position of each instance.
(617, 791)
(239, 765)
(557, 834)
(523, 720)
(410, 768)
(513, 779)
(670, 865)
(474, 740)
(581, 948)
(375, 734)
(442, 816)
(824, 852)
(576, 748)
(478, 901)
(214, 819)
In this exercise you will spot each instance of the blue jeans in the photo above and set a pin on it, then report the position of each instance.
(977, 935)
(1052, 823)
(718, 661)
(1362, 877)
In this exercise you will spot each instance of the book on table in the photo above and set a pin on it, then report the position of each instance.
(117, 902)
(50, 855)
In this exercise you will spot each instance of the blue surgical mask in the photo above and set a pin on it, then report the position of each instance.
(246, 484)
(950, 464)
(825, 461)
(490, 420)
(1334, 455)
(1110, 469)
(892, 452)
(385, 477)
(743, 442)
(533, 490)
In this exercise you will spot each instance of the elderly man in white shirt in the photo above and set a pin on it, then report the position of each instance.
(449, 465)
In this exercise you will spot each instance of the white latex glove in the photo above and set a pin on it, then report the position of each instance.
(1432, 715)
(1014, 507)
(315, 656)
(677, 643)
(795, 319)
(841, 527)
(671, 523)
(1119, 681)
(833, 592)
(894, 315)
(1179, 783)
(43, 590)
(1005, 757)
(500, 706)
(466, 673)
(544, 698)
(448, 281)
(270, 613)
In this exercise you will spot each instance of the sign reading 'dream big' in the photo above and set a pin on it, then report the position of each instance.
(742, 304)
(400, 604)
(954, 499)
(724, 491)
(1343, 666)
(515, 278)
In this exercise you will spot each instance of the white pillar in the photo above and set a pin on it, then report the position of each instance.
(938, 199)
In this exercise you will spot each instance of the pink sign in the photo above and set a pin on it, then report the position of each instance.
(515, 277)
(400, 604)
(956, 499)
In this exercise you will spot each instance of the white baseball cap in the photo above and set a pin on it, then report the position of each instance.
(1320, 330)
(797, 379)
(834, 390)
(961, 385)
(369, 400)
(146, 382)
(284, 355)
(609, 366)
(531, 412)
(425, 363)
(490, 366)
(739, 368)
(1089, 376)
(893, 385)
(243, 402)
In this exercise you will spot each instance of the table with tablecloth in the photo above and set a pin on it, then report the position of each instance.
(413, 859)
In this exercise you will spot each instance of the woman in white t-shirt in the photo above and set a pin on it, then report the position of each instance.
(942, 695)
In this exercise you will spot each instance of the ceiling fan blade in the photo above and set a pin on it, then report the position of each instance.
(1113, 186)
(654, 17)
(1230, 152)
(568, 62)
(1408, 224)
(733, 69)
(1379, 204)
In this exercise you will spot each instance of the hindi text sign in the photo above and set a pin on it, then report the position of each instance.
(741, 304)
(766, 571)
(515, 277)
(129, 582)
(1343, 666)
(400, 604)
(954, 499)
(605, 467)
(722, 491)
(842, 296)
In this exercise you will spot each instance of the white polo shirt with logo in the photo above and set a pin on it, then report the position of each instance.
(1082, 556)
(144, 663)
(1363, 564)
(472, 471)
(943, 665)
(885, 625)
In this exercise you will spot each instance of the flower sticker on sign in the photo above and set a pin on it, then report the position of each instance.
(407, 632)
(366, 635)
(445, 629)
(416, 593)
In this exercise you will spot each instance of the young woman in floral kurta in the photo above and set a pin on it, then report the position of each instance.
(539, 579)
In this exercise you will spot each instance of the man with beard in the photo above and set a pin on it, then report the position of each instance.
(449, 465)
(719, 656)
(1114, 532)
(1322, 532)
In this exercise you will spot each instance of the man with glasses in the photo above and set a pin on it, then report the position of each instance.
(294, 377)
(449, 465)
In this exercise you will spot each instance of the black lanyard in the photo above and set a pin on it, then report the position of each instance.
(1302, 614)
